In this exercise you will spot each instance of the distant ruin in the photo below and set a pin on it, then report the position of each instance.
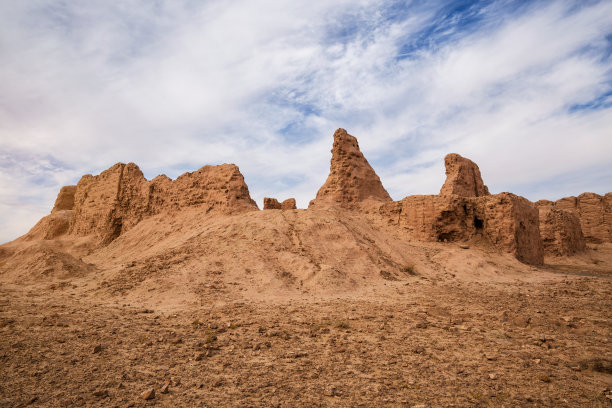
(111, 203)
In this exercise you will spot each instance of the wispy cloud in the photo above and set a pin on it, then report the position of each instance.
(522, 88)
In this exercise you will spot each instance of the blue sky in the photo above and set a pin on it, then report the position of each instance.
(523, 88)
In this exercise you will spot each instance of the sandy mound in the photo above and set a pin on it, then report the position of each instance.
(202, 233)
(40, 261)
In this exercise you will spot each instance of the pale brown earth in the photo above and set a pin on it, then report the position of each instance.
(560, 231)
(185, 293)
(462, 177)
(595, 213)
(273, 204)
(351, 179)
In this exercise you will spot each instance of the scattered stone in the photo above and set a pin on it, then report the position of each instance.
(164, 388)
(148, 394)
(97, 349)
(331, 391)
(100, 393)
(200, 356)
(463, 246)
(490, 356)
(492, 376)
(421, 325)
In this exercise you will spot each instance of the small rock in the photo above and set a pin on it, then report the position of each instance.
(200, 356)
(492, 376)
(463, 246)
(490, 356)
(97, 349)
(331, 391)
(148, 394)
(100, 393)
(164, 388)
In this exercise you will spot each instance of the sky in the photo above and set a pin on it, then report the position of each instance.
(523, 88)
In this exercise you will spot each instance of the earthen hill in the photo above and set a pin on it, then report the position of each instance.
(121, 221)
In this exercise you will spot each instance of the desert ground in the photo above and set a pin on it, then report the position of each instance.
(442, 335)
(183, 293)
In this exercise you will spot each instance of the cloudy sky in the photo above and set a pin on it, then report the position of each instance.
(523, 88)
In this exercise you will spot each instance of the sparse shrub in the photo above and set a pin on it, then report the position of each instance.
(343, 324)
(409, 269)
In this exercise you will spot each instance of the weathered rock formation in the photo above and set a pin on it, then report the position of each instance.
(560, 230)
(271, 204)
(462, 178)
(351, 179)
(595, 213)
(289, 204)
(105, 206)
(506, 221)
(119, 198)
(65, 199)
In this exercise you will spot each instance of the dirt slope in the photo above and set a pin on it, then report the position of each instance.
(186, 288)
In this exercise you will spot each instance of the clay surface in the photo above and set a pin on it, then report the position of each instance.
(462, 177)
(505, 221)
(595, 213)
(289, 204)
(271, 204)
(560, 231)
(351, 179)
(181, 293)
(120, 197)
(65, 199)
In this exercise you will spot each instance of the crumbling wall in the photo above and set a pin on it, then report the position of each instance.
(508, 222)
(351, 179)
(120, 197)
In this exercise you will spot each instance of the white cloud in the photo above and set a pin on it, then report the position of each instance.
(173, 86)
